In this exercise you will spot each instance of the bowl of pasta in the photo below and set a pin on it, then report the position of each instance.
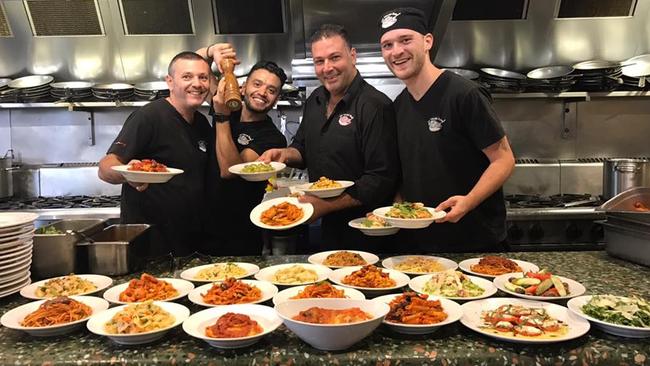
(83, 284)
(412, 313)
(257, 171)
(293, 274)
(147, 171)
(281, 213)
(372, 281)
(233, 291)
(343, 258)
(232, 326)
(324, 187)
(138, 323)
(407, 215)
(320, 290)
(418, 264)
(147, 288)
(219, 271)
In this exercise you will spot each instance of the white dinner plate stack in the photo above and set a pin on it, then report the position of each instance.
(16, 241)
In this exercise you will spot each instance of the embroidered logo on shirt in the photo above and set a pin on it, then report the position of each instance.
(244, 139)
(435, 124)
(203, 146)
(389, 19)
(345, 119)
(120, 143)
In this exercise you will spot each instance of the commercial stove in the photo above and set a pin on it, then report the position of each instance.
(53, 208)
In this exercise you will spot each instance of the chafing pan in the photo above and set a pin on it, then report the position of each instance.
(503, 73)
(31, 81)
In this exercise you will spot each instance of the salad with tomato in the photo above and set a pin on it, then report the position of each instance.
(542, 283)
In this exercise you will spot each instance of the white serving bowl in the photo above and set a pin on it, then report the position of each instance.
(332, 337)
(319, 258)
(191, 273)
(256, 212)
(392, 262)
(575, 306)
(400, 278)
(409, 223)
(372, 231)
(325, 192)
(100, 282)
(183, 287)
(288, 293)
(575, 288)
(265, 316)
(417, 284)
(453, 310)
(268, 291)
(146, 177)
(256, 177)
(467, 264)
(267, 273)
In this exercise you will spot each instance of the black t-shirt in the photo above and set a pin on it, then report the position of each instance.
(175, 209)
(440, 139)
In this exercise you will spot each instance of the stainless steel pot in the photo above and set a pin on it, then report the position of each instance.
(6, 177)
(619, 175)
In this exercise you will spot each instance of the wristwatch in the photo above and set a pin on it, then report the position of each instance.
(220, 118)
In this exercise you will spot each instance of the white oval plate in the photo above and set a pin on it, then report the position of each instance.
(266, 274)
(325, 192)
(472, 318)
(417, 284)
(12, 289)
(256, 177)
(391, 262)
(409, 223)
(12, 220)
(575, 288)
(268, 291)
(467, 264)
(453, 310)
(265, 316)
(372, 231)
(146, 177)
(400, 278)
(97, 321)
(191, 273)
(576, 304)
(183, 287)
(101, 282)
(287, 294)
(319, 258)
(12, 318)
(256, 213)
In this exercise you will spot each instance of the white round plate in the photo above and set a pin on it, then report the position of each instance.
(12, 318)
(16, 243)
(22, 237)
(6, 291)
(453, 310)
(19, 231)
(372, 231)
(392, 262)
(268, 291)
(18, 247)
(101, 282)
(146, 177)
(21, 265)
(409, 223)
(325, 192)
(287, 294)
(191, 273)
(319, 258)
(17, 252)
(400, 278)
(256, 213)
(467, 264)
(183, 287)
(16, 256)
(575, 288)
(472, 319)
(256, 177)
(417, 284)
(266, 274)
(265, 316)
(576, 304)
(9, 220)
(97, 321)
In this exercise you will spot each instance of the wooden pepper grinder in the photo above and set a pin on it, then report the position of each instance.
(231, 92)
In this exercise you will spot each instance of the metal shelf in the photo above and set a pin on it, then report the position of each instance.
(572, 95)
(74, 105)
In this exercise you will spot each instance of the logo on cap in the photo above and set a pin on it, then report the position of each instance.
(345, 119)
(389, 19)
(244, 139)
(435, 124)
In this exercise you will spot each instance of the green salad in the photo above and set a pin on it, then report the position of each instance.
(630, 311)
(452, 283)
(257, 168)
(49, 230)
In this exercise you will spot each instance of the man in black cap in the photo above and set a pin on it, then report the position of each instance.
(454, 153)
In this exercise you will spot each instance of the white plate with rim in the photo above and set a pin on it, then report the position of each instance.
(576, 304)
(97, 321)
(267, 273)
(472, 311)
(16, 243)
(256, 213)
(372, 231)
(400, 279)
(6, 291)
(467, 264)
(267, 289)
(393, 262)
(21, 230)
(256, 177)
(10, 220)
(18, 247)
(409, 223)
(417, 284)
(146, 177)
(11, 284)
(100, 282)
(265, 316)
(13, 317)
(452, 309)
(17, 266)
(324, 192)
(183, 288)
(17, 252)
(16, 256)
(288, 293)
(319, 258)
(191, 273)
(575, 287)
(24, 236)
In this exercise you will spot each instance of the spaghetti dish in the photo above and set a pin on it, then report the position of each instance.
(280, 215)
(231, 291)
(520, 321)
(146, 288)
(220, 272)
(65, 286)
(419, 265)
(320, 290)
(369, 276)
(494, 265)
(318, 315)
(411, 308)
(59, 310)
(408, 210)
(344, 258)
(294, 275)
(325, 183)
(139, 318)
(148, 165)
(257, 168)
(233, 325)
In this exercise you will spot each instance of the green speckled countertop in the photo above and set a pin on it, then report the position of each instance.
(452, 345)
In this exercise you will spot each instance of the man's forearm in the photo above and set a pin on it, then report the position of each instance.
(341, 202)
(491, 180)
(293, 157)
(107, 174)
(227, 154)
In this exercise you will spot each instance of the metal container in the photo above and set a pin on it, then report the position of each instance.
(622, 205)
(6, 176)
(27, 182)
(619, 175)
(117, 250)
(628, 241)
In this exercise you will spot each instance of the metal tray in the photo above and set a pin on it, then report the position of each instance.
(627, 242)
(622, 205)
(117, 250)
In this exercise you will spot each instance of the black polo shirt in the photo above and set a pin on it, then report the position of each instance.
(440, 139)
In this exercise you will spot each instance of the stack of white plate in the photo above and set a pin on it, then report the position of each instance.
(16, 241)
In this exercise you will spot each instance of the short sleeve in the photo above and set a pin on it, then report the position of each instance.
(135, 136)
(480, 120)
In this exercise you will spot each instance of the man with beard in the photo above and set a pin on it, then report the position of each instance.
(454, 153)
